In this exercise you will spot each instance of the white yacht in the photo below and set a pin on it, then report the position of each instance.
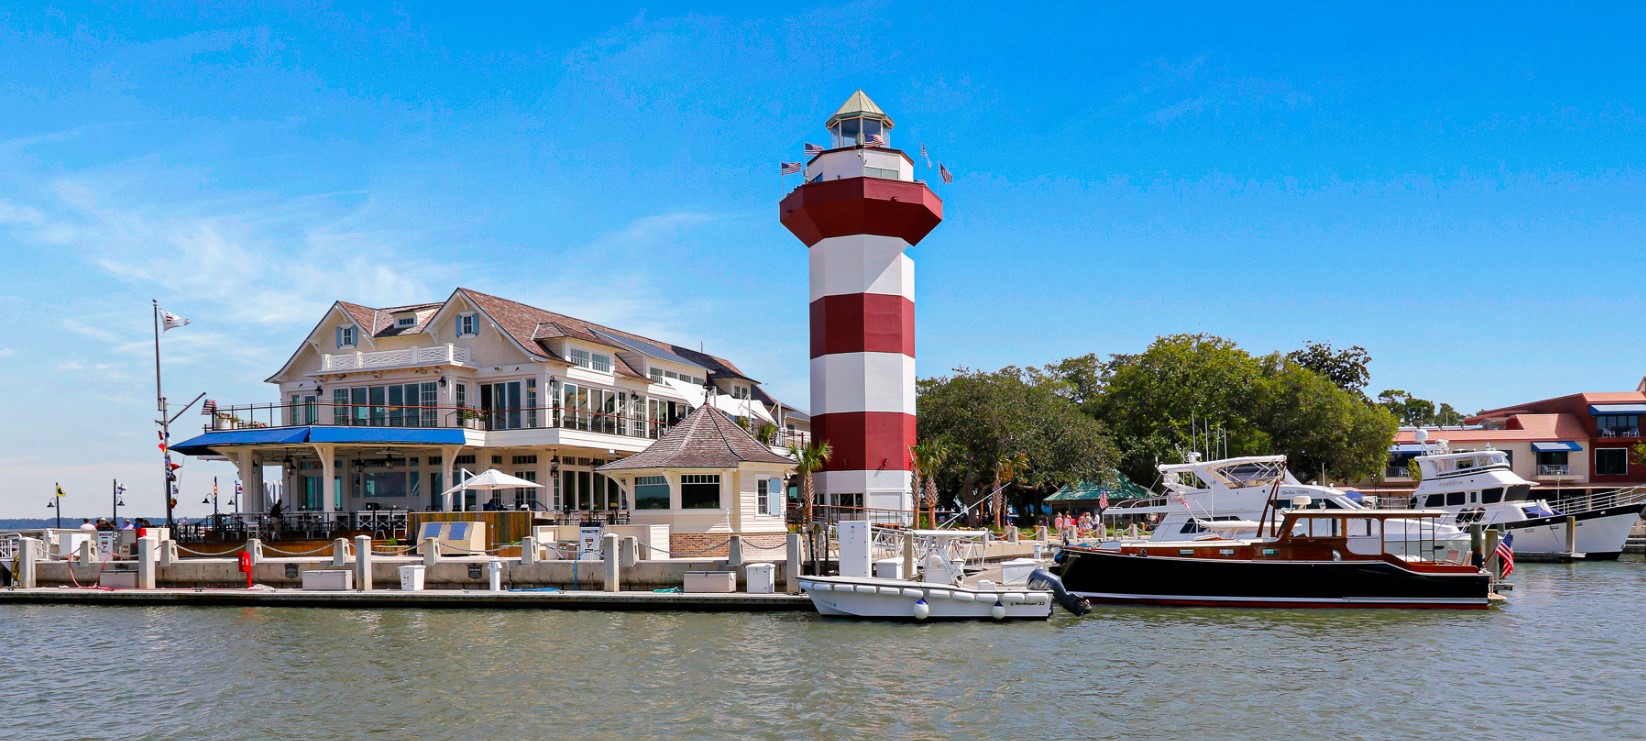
(1230, 498)
(1480, 487)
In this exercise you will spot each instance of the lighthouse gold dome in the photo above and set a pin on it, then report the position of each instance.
(857, 120)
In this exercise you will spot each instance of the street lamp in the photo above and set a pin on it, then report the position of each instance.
(53, 504)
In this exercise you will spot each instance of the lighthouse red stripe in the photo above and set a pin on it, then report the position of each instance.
(866, 441)
(862, 322)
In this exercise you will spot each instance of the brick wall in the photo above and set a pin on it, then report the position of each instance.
(756, 547)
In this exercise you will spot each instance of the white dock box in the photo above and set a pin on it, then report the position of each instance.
(888, 568)
(700, 582)
(761, 578)
(334, 580)
(411, 577)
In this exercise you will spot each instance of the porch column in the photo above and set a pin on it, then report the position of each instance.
(243, 466)
(328, 476)
(251, 500)
(448, 476)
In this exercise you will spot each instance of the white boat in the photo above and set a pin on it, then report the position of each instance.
(940, 592)
(1229, 498)
(1479, 487)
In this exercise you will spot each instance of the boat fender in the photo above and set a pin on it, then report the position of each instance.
(1012, 598)
(866, 589)
(1043, 579)
(812, 586)
(965, 597)
(922, 610)
(998, 612)
(915, 593)
(891, 591)
(938, 594)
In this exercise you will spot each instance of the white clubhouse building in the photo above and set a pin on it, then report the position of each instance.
(385, 409)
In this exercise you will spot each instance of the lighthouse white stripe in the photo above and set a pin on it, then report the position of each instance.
(881, 489)
(863, 382)
(861, 263)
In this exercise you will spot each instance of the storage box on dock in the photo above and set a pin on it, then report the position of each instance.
(701, 582)
(760, 578)
(411, 577)
(461, 538)
(328, 580)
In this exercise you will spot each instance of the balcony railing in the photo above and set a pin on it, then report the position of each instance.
(1620, 432)
(1554, 470)
(447, 354)
(258, 416)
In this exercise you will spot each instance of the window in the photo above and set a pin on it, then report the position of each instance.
(740, 391)
(1492, 496)
(1454, 499)
(525, 497)
(405, 321)
(591, 360)
(880, 172)
(658, 374)
(345, 336)
(1558, 458)
(1618, 425)
(468, 325)
(700, 491)
(769, 496)
(651, 492)
(1611, 461)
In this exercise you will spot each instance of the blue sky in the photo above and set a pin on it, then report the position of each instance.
(1457, 189)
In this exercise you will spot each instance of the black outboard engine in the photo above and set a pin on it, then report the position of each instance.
(1043, 579)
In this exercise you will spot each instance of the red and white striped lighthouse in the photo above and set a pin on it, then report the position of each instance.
(858, 210)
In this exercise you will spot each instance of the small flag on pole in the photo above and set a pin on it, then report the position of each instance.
(1506, 553)
(874, 140)
(812, 150)
(60, 491)
(790, 168)
(238, 488)
(170, 321)
(1102, 501)
(924, 156)
(943, 172)
(209, 408)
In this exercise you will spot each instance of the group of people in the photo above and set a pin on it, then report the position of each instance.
(1071, 526)
(108, 523)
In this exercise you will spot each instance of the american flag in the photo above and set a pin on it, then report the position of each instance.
(1102, 501)
(1506, 553)
(924, 156)
(790, 168)
(947, 176)
(209, 408)
(812, 150)
(874, 140)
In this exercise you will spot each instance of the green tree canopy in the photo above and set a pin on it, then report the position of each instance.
(1415, 412)
(1346, 367)
(987, 416)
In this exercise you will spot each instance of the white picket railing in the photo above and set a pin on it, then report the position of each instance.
(447, 354)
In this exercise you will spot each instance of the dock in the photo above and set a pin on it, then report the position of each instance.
(425, 599)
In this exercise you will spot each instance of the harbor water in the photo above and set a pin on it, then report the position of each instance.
(1562, 658)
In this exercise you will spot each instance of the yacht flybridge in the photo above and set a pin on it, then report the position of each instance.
(1479, 487)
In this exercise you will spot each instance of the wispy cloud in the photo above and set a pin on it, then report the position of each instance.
(1203, 87)
(6, 352)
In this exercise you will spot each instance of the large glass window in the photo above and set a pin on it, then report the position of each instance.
(1618, 425)
(651, 492)
(1611, 461)
(700, 491)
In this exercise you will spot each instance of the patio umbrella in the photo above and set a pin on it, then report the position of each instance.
(491, 480)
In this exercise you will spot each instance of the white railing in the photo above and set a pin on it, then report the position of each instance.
(1554, 470)
(447, 354)
(1602, 500)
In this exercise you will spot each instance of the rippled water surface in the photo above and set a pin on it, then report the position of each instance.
(1562, 658)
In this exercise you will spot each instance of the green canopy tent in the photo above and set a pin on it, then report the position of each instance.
(1086, 494)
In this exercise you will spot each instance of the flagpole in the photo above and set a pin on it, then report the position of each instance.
(165, 423)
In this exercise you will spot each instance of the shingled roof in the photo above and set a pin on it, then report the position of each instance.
(706, 438)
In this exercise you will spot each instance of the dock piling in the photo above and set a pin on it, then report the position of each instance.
(430, 548)
(254, 546)
(734, 553)
(528, 551)
(27, 562)
(608, 552)
(792, 574)
(339, 553)
(362, 563)
(145, 562)
(629, 551)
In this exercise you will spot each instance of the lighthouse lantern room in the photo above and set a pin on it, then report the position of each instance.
(858, 211)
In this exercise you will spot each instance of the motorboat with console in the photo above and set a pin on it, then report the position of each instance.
(1312, 558)
(940, 593)
(1480, 487)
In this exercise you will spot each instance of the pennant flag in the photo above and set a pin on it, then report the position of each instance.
(875, 140)
(947, 176)
(790, 168)
(812, 150)
(238, 488)
(1506, 553)
(173, 466)
(924, 156)
(60, 491)
(170, 321)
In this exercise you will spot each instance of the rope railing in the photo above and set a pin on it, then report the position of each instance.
(220, 554)
(321, 549)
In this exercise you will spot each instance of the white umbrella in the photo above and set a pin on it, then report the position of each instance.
(491, 480)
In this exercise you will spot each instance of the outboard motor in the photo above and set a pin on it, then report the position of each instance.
(1043, 579)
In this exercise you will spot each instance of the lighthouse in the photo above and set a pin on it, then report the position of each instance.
(858, 211)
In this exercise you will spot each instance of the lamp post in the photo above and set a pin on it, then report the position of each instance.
(54, 504)
(216, 524)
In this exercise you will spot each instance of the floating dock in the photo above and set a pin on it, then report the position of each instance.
(427, 599)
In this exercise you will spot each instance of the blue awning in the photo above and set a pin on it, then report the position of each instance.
(1597, 409)
(203, 444)
(1561, 446)
(386, 435)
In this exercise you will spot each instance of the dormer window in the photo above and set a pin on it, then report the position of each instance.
(346, 336)
(591, 360)
(468, 325)
(405, 321)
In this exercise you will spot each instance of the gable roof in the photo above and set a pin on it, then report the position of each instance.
(706, 438)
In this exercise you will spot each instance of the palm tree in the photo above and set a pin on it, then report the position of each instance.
(808, 460)
(1008, 467)
(928, 456)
